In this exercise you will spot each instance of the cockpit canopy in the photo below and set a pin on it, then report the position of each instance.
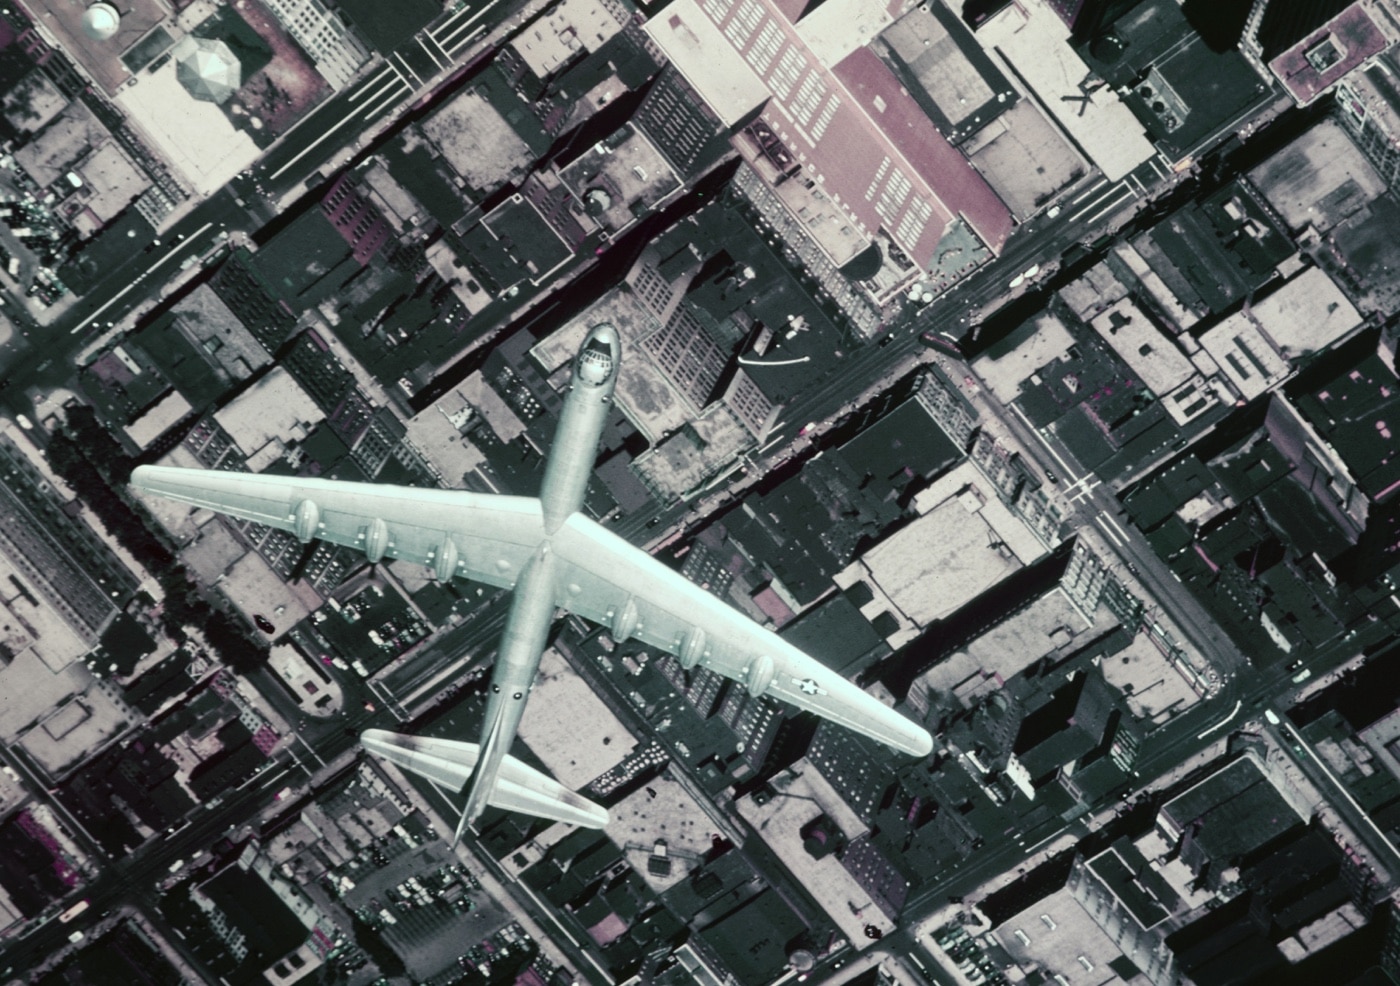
(597, 360)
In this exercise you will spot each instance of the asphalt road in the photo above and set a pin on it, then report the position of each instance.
(41, 357)
(129, 880)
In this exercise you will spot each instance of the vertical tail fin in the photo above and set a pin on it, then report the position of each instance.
(483, 779)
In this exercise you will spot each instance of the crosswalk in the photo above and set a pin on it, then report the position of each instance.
(396, 80)
(1102, 198)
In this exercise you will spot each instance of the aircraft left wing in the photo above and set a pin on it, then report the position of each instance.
(611, 582)
(477, 536)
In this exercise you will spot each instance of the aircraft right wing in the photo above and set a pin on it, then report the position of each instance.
(478, 536)
(611, 582)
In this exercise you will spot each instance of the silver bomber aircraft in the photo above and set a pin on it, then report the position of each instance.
(553, 557)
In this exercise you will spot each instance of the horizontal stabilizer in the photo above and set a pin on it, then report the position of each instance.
(449, 763)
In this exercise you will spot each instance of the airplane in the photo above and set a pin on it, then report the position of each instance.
(552, 557)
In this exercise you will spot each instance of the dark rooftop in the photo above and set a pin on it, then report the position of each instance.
(1220, 249)
(1354, 412)
(1127, 885)
(902, 445)
(1179, 88)
(1232, 812)
(835, 633)
(253, 908)
(753, 939)
(812, 526)
(307, 262)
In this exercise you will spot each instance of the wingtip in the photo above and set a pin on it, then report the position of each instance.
(922, 744)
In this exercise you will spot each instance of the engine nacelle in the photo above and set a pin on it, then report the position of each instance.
(306, 520)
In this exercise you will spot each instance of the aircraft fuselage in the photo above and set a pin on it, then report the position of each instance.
(566, 476)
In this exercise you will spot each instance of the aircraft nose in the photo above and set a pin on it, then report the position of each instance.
(598, 357)
(605, 335)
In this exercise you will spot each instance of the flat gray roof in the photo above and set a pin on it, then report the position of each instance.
(939, 562)
(1319, 179)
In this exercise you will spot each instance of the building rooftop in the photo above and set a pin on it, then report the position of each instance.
(1035, 41)
(695, 45)
(563, 31)
(1009, 528)
(1053, 932)
(753, 938)
(220, 336)
(153, 422)
(835, 633)
(1245, 354)
(1025, 159)
(901, 447)
(962, 89)
(192, 134)
(1353, 411)
(1319, 179)
(1124, 879)
(1307, 314)
(889, 110)
(101, 58)
(44, 671)
(802, 796)
(940, 561)
(661, 812)
(683, 461)
(1232, 811)
(1216, 251)
(811, 526)
(523, 239)
(67, 139)
(844, 120)
(1049, 624)
(70, 733)
(264, 418)
(32, 102)
(1182, 89)
(1320, 59)
(113, 182)
(1005, 366)
(1139, 343)
(569, 728)
(475, 139)
(621, 179)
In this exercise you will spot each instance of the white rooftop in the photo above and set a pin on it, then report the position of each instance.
(695, 46)
(838, 27)
(1004, 373)
(192, 134)
(434, 432)
(1245, 355)
(270, 413)
(156, 418)
(1033, 40)
(1307, 314)
(566, 28)
(575, 735)
(1156, 359)
(940, 561)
